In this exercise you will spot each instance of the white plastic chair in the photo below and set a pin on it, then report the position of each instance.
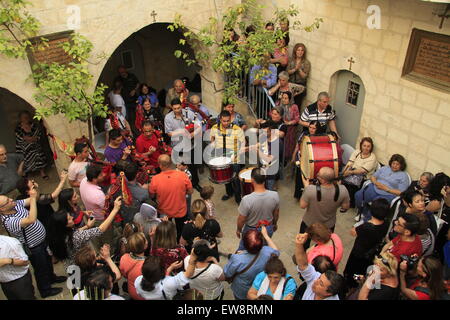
(348, 150)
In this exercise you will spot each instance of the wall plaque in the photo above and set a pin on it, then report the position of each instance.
(428, 60)
(53, 52)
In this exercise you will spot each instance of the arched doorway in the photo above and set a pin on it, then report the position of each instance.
(349, 94)
(10, 105)
(149, 54)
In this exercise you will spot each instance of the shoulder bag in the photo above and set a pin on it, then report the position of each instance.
(230, 279)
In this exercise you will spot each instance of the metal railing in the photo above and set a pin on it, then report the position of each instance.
(257, 98)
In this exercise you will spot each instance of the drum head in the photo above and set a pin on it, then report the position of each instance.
(306, 155)
(246, 175)
(219, 161)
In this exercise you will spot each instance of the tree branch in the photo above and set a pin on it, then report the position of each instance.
(213, 83)
(13, 34)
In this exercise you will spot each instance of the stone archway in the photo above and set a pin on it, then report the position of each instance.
(150, 52)
(11, 104)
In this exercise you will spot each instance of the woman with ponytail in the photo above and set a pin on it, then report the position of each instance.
(201, 228)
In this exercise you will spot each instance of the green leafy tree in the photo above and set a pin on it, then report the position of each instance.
(214, 45)
(60, 88)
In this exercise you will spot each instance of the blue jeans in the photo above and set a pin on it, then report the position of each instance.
(366, 195)
(246, 228)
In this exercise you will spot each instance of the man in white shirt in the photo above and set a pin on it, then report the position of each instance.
(77, 169)
(115, 98)
(15, 276)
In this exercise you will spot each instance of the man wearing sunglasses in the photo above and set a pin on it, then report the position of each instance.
(407, 242)
(24, 226)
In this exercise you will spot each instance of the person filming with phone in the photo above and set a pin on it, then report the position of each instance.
(65, 240)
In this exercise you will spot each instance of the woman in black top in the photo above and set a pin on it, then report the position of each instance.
(384, 271)
(201, 228)
(369, 236)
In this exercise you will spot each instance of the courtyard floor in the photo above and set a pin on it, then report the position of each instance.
(288, 226)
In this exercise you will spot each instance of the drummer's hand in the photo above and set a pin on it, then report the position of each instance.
(238, 234)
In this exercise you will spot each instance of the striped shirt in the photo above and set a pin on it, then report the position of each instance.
(35, 232)
(312, 113)
(11, 248)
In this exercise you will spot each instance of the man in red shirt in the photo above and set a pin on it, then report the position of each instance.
(407, 242)
(147, 144)
(171, 187)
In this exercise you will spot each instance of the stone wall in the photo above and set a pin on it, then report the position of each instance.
(401, 116)
(106, 23)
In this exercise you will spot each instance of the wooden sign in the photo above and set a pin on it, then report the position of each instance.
(428, 60)
(53, 52)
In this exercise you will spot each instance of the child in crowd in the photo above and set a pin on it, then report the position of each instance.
(184, 168)
(206, 194)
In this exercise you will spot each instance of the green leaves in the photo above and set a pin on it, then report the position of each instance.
(16, 26)
(65, 89)
(224, 54)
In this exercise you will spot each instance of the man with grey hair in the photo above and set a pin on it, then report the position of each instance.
(322, 200)
(199, 109)
(322, 112)
(179, 91)
(11, 169)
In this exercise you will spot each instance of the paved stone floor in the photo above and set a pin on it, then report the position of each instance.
(288, 226)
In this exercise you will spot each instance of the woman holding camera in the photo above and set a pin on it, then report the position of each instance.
(382, 282)
(64, 240)
(429, 284)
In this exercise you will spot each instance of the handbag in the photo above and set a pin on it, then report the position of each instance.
(230, 279)
(354, 179)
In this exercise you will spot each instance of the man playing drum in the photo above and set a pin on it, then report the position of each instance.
(228, 140)
(322, 112)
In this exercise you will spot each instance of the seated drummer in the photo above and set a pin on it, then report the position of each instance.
(312, 129)
(228, 140)
(321, 112)
(147, 144)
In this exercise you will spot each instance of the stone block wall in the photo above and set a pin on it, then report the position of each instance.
(106, 24)
(401, 116)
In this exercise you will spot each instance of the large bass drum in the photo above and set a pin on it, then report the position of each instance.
(318, 151)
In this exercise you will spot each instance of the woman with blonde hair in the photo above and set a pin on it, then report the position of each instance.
(165, 244)
(201, 227)
(382, 281)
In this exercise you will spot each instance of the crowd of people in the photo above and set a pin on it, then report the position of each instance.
(132, 215)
